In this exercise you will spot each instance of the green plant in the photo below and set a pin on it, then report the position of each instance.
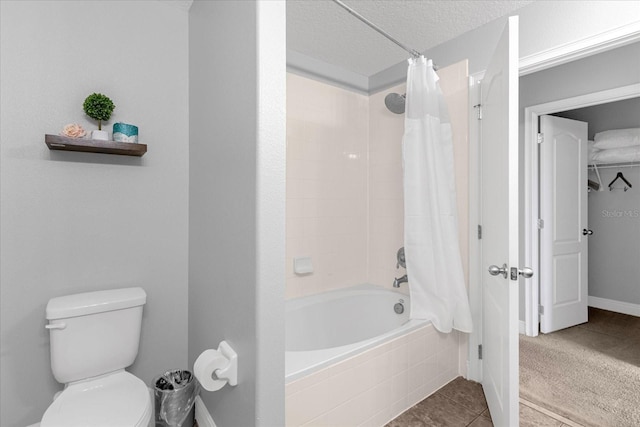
(99, 107)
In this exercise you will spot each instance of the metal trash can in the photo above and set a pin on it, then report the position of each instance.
(175, 394)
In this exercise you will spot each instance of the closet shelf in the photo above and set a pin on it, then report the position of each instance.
(57, 142)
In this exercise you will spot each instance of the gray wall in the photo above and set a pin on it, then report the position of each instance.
(74, 222)
(236, 264)
(614, 248)
(607, 70)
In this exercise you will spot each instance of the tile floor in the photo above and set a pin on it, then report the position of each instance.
(461, 403)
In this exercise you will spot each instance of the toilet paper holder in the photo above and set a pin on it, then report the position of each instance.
(216, 368)
(230, 372)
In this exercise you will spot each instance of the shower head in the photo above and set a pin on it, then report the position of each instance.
(395, 102)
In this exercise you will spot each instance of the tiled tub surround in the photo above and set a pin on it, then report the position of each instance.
(344, 181)
(326, 214)
(373, 387)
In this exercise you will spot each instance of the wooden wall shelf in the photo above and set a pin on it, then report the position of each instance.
(57, 142)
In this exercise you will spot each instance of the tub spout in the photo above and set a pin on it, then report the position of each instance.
(398, 280)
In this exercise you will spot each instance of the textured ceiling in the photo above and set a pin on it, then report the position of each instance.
(324, 31)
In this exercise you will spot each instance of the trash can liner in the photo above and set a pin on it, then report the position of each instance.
(175, 394)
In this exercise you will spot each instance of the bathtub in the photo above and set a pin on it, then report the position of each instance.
(326, 328)
(352, 359)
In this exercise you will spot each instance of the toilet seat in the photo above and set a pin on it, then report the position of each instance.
(115, 400)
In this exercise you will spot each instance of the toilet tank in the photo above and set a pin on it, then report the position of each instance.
(94, 333)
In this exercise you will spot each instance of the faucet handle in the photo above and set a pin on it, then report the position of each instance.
(400, 258)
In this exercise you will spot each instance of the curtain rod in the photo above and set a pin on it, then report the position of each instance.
(413, 52)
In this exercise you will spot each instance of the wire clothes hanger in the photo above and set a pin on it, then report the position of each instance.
(620, 176)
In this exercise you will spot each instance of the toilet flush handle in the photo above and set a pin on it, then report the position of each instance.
(61, 325)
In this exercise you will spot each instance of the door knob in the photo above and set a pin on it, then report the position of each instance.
(525, 272)
(494, 270)
(586, 232)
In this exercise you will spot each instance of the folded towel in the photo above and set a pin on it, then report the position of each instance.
(617, 138)
(617, 155)
(591, 150)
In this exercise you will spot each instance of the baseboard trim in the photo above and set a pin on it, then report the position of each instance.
(522, 329)
(613, 305)
(203, 417)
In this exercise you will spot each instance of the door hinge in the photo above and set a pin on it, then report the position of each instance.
(540, 138)
(541, 309)
(478, 108)
(540, 223)
(480, 352)
(479, 232)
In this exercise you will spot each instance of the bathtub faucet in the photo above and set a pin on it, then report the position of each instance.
(398, 280)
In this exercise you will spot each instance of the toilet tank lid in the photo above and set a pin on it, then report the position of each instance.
(94, 302)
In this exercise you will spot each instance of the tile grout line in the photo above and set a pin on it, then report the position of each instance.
(462, 404)
(474, 420)
(456, 403)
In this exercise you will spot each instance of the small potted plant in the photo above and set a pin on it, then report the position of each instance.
(99, 107)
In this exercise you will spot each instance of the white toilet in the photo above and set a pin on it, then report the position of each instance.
(94, 336)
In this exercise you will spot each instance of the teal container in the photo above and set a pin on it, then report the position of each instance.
(123, 132)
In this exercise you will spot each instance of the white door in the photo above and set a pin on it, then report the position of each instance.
(500, 229)
(563, 210)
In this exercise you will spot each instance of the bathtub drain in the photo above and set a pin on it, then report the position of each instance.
(398, 308)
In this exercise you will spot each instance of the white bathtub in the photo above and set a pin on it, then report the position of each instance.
(351, 360)
(326, 328)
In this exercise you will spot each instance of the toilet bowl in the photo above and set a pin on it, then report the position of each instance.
(93, 337)
(113, 400)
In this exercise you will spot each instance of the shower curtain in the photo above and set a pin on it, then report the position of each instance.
(434, 264)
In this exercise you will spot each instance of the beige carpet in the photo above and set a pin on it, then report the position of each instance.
(589, 373)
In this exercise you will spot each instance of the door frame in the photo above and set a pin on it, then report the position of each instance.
(532, 188)
(474, 363)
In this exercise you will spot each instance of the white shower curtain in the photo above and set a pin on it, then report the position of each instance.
(434, 265)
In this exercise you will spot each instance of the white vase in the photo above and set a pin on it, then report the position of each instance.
(101, 135)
